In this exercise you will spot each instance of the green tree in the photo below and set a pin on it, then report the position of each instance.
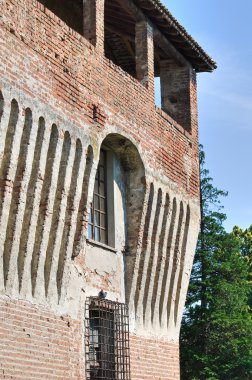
(244, 239)
(216, 334)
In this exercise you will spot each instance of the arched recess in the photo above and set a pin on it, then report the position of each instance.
(135, 187)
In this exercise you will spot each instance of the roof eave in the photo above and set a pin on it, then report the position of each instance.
(206, 63)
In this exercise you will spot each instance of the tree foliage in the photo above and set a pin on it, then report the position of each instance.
(216, 334)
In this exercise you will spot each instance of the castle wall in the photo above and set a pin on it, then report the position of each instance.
(51, 79)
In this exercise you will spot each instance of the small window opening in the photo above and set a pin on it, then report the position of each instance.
(107, 340)
(95, 113)
(120, 37)
(71, 12)
(171, 88)
(159, 55)
(98, 224)
(157, 92)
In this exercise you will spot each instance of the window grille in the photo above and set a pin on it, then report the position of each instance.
(97, 227)
(107, 340)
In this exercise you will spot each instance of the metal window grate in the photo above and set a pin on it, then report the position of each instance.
(97, 227)
(107, 340)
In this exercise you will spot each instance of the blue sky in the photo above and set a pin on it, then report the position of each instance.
(224, 29)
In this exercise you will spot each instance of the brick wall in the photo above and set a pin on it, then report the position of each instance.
(36, 344)
(42, 58)
(51, 62)
(154, 360)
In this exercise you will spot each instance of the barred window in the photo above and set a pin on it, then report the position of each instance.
(107, 340)
(98, 225)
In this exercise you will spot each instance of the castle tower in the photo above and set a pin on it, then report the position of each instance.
(99, 188)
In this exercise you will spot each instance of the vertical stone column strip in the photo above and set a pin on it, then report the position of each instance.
(52, 291)
(27, 247)
(63, 275)
(145, 55)
(131, 287)
(93, 23)
(176, 268)
(143, 245)
(68, 214)
(146, 252)
(176, 92)
(151, 273)
(39, 281)
(193, 230)
(161, 265)
(8, 172)
(6, 109)
(174, 226)
(16, 197)
(182, 264)
(59, 195)
(8, 131)
(88, 182)
(25, 164)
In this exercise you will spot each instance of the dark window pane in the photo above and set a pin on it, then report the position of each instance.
(97, 234)
(103, 236)
(103, 220)
(102, 205)
(97, 218)
(90, 219)
(102, 189)
(96, 186)
(96, 202)
(102, 157)
(90, 231)
(101, 173)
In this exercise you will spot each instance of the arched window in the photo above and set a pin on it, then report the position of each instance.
(98, 216)
(115, 211)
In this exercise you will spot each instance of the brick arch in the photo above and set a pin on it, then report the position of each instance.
(135, 184)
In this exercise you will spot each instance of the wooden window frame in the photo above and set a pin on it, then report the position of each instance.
(97, 230)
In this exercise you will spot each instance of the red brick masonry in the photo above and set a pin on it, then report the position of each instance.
(35, 344)
(55, 65)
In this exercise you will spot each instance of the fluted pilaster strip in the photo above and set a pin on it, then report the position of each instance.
(70, 209)
(70, 247)
(151, 273)
(145, 260)
(52, 286)
(133, 288)
(182, 266)
(176, 268)
(9, 172)
(6, 110)
(30, 225)
(168, 265)
(26, 161)
(39, 288)
(161, 263)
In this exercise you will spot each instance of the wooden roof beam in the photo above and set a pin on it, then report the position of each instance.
(119, 32)
(161, 40)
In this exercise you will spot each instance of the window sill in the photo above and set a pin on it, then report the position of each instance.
(101, 245)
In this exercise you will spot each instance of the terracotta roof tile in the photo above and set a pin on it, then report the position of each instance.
(183, 42)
